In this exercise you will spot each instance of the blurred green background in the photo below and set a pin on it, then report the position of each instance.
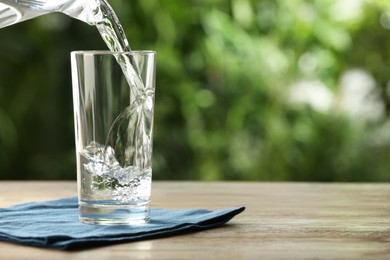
(246, 89)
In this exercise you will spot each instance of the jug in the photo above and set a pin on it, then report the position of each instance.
(15, 11)
(93, 12)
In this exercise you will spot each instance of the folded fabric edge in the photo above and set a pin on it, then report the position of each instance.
(184, 228)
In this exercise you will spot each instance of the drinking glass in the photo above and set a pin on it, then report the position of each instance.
(113, 99)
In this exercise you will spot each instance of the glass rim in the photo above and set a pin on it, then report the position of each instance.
(108, 52)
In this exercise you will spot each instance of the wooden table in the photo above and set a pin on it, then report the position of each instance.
(281, 221)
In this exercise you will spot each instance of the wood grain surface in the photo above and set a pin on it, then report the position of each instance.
(281, 221)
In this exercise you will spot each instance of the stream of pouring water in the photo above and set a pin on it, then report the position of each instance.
(128, 174)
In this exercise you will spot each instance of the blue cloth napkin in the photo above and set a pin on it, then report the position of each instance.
(55, 224)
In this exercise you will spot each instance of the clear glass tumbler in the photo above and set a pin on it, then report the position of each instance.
(113, 98)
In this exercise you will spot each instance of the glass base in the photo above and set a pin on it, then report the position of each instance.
(103, 214)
